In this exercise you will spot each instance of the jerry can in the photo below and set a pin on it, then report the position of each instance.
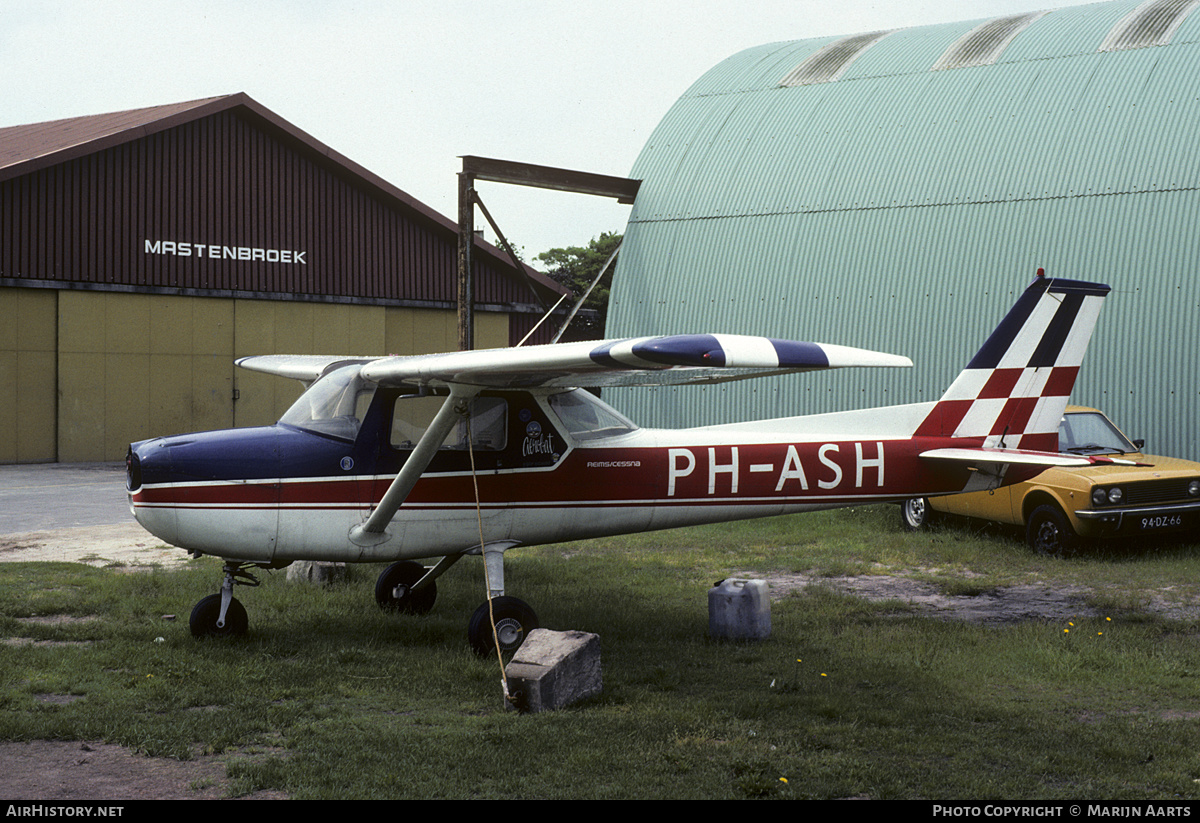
(739, 610)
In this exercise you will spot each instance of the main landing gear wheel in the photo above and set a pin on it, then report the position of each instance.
(514, 621)
(393, 589)
(1050, 534)
(203, 622)
(916, 514)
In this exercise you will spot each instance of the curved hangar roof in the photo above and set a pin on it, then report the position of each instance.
(895, 190)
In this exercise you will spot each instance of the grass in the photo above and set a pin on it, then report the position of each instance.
(330, 698)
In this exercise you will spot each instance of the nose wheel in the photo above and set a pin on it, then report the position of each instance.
(206, 620)
(221, 615)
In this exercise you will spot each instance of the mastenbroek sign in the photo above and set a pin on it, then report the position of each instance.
(214, 252)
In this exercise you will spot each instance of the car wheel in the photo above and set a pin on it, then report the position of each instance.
(916, 514)
(1049, 534)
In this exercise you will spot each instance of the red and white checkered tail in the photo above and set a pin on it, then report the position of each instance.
(1014, 391)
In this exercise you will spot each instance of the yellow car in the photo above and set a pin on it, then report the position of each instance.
(1063, 506)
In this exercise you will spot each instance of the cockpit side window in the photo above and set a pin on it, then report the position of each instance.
(414, 413)
(334, 405)
(587, 417)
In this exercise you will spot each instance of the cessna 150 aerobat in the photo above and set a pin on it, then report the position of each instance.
(477, 452)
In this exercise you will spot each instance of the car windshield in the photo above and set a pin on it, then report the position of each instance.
(1091, 433)
(334, 405)
(587, 417)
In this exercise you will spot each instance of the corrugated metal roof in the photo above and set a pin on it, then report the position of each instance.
(983, 45)
(28, 150)
(31, 146)
(831, 62)
(1150, 24)
(901, 207)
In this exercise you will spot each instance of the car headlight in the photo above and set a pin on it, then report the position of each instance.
(1115, 494)
(1194, 488)
(1099, 497)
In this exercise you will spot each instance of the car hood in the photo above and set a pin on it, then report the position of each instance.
(1153, 467)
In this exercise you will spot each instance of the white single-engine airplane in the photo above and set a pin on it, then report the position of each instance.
(477, 452)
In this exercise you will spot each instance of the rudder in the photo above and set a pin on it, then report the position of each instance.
(1014, 391)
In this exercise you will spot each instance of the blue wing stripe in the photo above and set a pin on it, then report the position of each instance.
(682, 350)
(796, 353)
(600, 355)
(706, 350)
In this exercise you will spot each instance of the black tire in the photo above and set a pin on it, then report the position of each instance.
(203, 621)
(514, 621)
(916, 514)
(393, 589)
(1049, 533)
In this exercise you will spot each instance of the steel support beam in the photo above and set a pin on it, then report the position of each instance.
(466, 261)
(547, 177)
(520, 174)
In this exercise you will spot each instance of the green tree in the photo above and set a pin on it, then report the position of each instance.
(575, 267)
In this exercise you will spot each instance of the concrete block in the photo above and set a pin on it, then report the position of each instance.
(554, 669)
(308, 571)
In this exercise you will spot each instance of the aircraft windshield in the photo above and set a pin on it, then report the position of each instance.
(587, 417)
(334, 405)
(1091, 433)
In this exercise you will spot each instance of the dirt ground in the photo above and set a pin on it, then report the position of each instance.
(999, 606)
(58, 770)
(120, 544)
(53, 770)
(992, 606)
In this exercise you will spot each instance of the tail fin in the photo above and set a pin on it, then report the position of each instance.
(1014, 391)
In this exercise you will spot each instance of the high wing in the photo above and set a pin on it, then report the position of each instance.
(639, 361)
(303, 367)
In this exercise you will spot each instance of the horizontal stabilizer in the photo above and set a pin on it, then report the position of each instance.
(1023, 457)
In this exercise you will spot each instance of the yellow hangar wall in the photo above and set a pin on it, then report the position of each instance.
(90, 371)
(28, 353)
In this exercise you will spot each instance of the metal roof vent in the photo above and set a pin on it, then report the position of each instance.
(983, 45)
(1151, 24)
(827, 64)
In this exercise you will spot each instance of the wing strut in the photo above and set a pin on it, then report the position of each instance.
(457, 404)
(571, 315)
